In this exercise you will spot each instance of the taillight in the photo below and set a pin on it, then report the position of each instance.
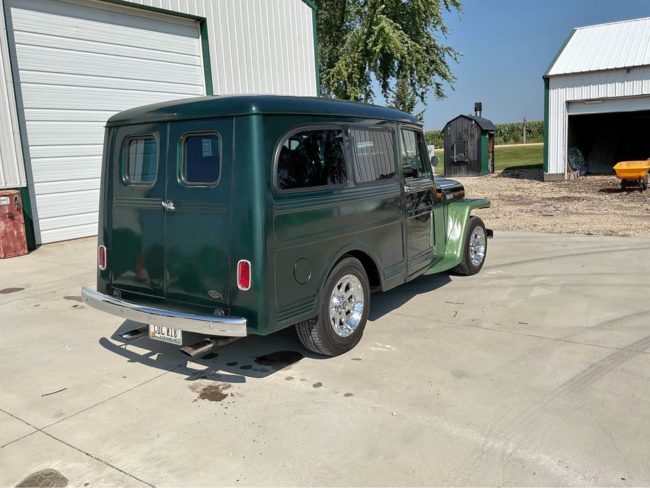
(101, 257)
(244, 275)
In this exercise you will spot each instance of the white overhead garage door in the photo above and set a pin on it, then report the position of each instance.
(74, 65)
(609, 105)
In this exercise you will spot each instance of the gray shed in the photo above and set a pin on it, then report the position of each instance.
(469, 146)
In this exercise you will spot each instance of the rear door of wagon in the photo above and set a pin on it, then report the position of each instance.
(197, 198)
(137, 244)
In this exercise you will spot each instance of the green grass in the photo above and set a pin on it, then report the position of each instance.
(508, 157)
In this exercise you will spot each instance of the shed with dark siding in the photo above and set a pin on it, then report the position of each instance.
(469, 146)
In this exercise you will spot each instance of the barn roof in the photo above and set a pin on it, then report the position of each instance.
(616, 45)
(483, 123)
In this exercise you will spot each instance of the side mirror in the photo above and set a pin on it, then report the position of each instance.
(435, 161)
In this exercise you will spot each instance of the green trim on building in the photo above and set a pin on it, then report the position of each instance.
(485, 156)
(29, 218)
(546, 109)
(314, 21)
(207, 65)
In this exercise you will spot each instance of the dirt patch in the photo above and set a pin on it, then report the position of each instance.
(587, 205)
(212, 393)
(6, 291)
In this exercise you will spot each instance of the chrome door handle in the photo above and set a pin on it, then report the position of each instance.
(168, 205)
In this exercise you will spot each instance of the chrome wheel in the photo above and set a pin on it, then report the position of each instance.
(477, 245)
(346, 305)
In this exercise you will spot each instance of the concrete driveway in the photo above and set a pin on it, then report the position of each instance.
(535, 372)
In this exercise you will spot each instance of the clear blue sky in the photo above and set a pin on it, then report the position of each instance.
(507, 46)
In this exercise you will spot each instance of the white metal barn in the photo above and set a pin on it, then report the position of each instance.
(597, 97)
(66, 66)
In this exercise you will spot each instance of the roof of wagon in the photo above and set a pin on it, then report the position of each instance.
(232, 105)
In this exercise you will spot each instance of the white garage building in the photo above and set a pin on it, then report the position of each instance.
(67, 65)
(597, 97)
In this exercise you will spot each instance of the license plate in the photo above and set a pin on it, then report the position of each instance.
(166, 334)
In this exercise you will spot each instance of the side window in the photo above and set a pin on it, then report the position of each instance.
(413, 159)
(374, 159)
(141, 160)
(201, 159)
(312, 158)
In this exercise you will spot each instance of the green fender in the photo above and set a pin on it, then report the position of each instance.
(458, 213)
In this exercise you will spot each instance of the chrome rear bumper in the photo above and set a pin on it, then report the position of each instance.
(201, 324)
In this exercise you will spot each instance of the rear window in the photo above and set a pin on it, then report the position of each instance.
(374, 158)
(201, 159)
(141, 160)
(312, 158)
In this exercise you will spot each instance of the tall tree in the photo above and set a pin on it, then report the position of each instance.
(400, 43)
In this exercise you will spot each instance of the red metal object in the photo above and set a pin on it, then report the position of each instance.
(12, 225)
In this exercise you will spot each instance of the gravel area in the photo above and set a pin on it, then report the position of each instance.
(588, 205)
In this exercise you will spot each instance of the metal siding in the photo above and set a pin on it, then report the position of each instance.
(605, 47)
(605, 85)
(12, 168)
(256, 46)
(69, 85)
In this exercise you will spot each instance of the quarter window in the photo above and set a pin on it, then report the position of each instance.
(413, 160)
(312, 158)
(201, 159)
(141, 160)
(374, 159)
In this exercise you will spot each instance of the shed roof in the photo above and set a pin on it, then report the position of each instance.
(483, 123)
(616, 45)
(231, 105)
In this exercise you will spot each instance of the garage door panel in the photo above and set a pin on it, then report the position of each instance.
(35, 58)
(78, 63)
(94, 81)
(70, 232)
(98, 24)
(53, 187)
(38, 152)
(53, 114)
(67, 204)
(63, 133)
(48, 96)
(51, 169)
(54, 42)
(55, 223)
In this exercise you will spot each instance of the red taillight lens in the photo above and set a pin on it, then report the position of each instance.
(244, 275)
(101, 257)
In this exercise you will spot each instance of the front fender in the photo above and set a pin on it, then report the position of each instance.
(458, 213)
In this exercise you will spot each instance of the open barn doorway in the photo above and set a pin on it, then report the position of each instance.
(604, 139)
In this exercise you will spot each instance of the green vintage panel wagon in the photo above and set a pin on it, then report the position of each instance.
(237, 215)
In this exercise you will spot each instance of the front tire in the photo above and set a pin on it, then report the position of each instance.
(474, 248)
(343, 313)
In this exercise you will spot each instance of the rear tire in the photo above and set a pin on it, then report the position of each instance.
(343, 312)
(474, 248)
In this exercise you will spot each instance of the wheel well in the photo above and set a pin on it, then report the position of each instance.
(370, 267)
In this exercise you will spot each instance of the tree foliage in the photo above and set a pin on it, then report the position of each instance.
(398, 43)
